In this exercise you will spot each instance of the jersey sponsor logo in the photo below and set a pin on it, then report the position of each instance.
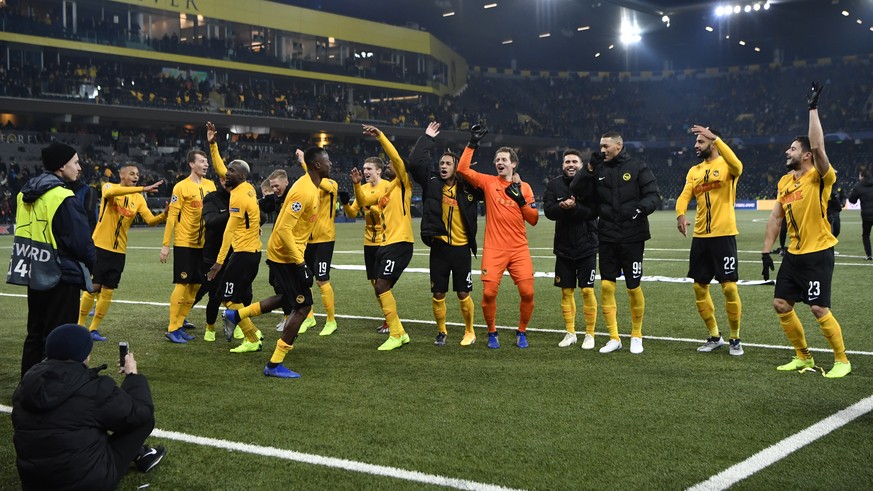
(451, 201)
(121, 210)
(788, 198)
(705, 187)
(626, 176)
(296, 206)
(197, 204)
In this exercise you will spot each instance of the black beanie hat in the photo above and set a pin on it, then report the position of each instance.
(69, 342)
(56, 155)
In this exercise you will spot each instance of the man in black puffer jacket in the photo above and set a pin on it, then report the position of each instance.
(864, 192)
(623, 191)
(575, 249)
(448, 227)
(62, 412)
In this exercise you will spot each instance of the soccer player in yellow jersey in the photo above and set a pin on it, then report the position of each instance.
(243, 234)
(807, 269)
(290, 277)
(186, 230)
(119, 206)
(395, 251)
(448, 227)
(319, 251)
(374, 185)
(713, 184)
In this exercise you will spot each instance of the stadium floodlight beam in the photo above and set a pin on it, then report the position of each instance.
(630, 34)
(737, 9)
(719, 11)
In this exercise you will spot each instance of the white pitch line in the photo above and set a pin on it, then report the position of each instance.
(483, 326)
(313, 459)
(784, 448)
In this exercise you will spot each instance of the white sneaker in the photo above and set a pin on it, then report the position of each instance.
(281, 325)
(569, 339)
(636, 345)
(588, 342)
(736, 348)
(611, 346)
(711, 344)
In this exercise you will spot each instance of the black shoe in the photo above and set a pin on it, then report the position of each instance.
(149, 457)
(869, 258)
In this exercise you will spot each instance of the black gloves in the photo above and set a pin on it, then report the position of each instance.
(767, 261)
(477, 133)
(812, 99)
(344, 197)
(596, 159)
(303, 274)
(514, 192)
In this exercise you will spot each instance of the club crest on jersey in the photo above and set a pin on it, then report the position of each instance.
(296, 206)
(626, 176)
(470, 197)
(715, 173)
(174, 199)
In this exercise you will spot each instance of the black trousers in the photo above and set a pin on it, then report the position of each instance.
(866, 225)
(47, 310)
(127, 445)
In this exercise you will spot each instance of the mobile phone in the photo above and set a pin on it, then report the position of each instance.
(122, 352)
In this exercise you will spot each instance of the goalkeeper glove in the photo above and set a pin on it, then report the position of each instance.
(767, 261)
(514, 192)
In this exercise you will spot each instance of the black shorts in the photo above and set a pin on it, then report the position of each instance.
(448, 259)
(616, 258)
(572, 272)
(392, 259)
(713, 257)
(806, 278)
(318, 257)
(370, 261)
(188, 266)
(283, 279)
(108, 268)
(237, 276)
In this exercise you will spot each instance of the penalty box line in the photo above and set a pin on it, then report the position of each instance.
(313, 459)
(483, 326)
(778, 451)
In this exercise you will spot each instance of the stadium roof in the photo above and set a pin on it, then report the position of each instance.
(569, 34)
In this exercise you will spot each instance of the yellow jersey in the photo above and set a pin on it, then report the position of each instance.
(452, 217)
(119, 206)
(185, 217)
(295, 223)
(714, 186)
(805, 203)
(243, 229)
(373, 235)
(325, 227)
(395, 202)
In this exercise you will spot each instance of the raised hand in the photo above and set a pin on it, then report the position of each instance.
(210, 132)
(153, 187)
(477, 133)
(433, 129)
(703, 131)
(812, 98)
(371, 130)
(356, 176)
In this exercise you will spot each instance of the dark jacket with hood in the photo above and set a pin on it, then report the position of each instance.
(216, 213)
(421, 166)
(576, 228)
(864, 192)
(624, 193)
(70, 228)
(61, 412)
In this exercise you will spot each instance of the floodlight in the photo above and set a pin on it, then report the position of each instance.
(737, 9)
(709, 28)
(845, 13)
(756, 7)
(719, 11)
(747, 9)
(766, 5)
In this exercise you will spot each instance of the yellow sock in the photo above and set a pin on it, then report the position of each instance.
(190, 295)
(311, 314)
(327, 300)
(568, 309)
(103, 302)
(252, 310)
(607, 303)
(282, 349)
(246, 325)
(467, 310)
(589, 309)
(85, 305)
(638, 310)
(794, 331)
(177, 298)
(834, 334)
(733, 306)
(706, 309)
(439, 313)
(210, 327)
(389, 308)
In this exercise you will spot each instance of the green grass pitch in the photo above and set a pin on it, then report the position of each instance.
(541, 418)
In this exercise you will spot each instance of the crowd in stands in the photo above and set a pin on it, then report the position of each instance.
(107, 29)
